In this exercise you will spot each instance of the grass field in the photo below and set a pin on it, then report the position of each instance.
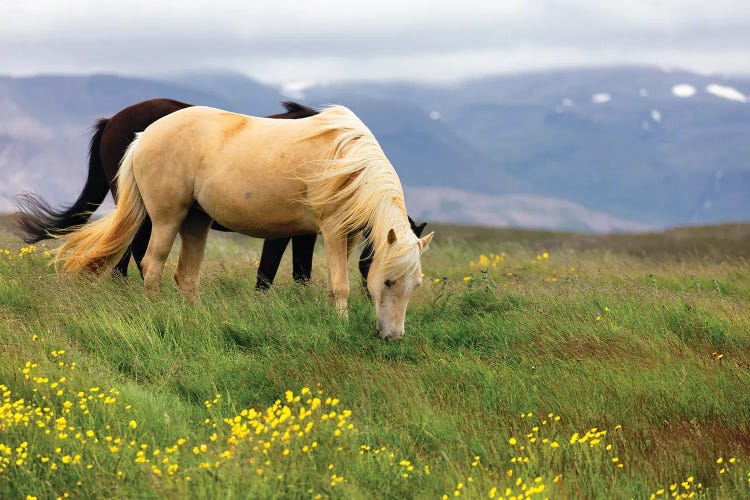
(544, 365)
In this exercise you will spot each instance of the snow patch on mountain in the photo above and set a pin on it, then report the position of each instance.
(683, 90)
(656, 115)
(726, 92)
(601, 98)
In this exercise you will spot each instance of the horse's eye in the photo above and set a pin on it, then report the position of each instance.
(388, 283)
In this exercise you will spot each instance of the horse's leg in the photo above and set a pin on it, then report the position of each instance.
(121, 269)
(163, 235)
(137, 249)
(338, 276)
(270, 259)
(140, 243)
(193, 235)
(303, 247)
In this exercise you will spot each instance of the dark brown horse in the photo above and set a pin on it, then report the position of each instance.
(38, 220)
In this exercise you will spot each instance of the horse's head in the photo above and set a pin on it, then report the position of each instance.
(365, 259)
(395, 273)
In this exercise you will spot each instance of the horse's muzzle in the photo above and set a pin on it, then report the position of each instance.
(390, 335)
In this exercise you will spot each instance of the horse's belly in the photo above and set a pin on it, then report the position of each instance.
(261, 212)
(260, 224)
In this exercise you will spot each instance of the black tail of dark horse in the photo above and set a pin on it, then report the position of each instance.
(38, 220)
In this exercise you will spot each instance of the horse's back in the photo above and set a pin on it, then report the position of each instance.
(217, 129)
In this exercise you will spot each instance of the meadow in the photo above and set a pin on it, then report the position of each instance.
(534, 365)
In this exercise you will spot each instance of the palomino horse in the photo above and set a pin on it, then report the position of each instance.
(39, 221)
(264, 178)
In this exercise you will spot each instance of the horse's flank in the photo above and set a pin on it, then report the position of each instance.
(240, 169)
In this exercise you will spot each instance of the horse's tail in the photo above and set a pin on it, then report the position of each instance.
(99, 245)
(38, 220)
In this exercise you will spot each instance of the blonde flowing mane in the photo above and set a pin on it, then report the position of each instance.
(359, 181)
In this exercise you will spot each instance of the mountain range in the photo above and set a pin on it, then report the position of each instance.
(606, 149)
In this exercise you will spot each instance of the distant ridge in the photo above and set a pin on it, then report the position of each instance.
(637, 145)
(513, 210)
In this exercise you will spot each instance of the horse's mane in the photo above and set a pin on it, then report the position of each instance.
(359, 180)
(295, 107)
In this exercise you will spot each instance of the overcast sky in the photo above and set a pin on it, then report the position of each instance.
(282, 41)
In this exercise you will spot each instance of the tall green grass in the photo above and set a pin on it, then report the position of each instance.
(502, 365)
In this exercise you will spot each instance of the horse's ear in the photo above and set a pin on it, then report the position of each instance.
(391, 236)
(423, 242)
(418, 229)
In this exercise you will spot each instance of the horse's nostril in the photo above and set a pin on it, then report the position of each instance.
(393, 336)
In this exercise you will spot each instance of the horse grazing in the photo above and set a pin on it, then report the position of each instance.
(264, 178)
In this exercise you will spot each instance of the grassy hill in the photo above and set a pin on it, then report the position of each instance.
(537, 364)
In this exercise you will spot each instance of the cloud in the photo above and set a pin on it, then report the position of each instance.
(442, 41)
